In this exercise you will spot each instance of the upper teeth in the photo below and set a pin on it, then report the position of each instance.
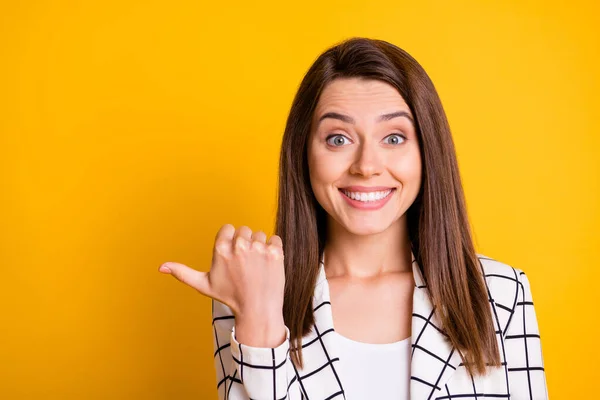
(370, 196)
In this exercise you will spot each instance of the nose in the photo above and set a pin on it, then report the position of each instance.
(368, 161)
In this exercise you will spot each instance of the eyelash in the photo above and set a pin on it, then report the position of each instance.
(339, 134)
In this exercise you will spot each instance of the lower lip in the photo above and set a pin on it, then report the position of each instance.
(368, 205)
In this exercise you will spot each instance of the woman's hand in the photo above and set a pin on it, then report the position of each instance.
(247, 274)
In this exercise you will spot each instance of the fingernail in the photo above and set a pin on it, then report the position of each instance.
(163, 268)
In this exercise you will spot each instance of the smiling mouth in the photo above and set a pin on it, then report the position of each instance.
(367, 197)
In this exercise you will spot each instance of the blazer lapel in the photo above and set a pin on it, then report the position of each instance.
(434, 359)
(320, 347)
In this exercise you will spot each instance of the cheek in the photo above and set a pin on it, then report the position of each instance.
(318, 181)
(325, 168)
(318, 173)
(325, 173)
(408, 170)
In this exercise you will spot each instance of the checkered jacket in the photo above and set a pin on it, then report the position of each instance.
(245, 372)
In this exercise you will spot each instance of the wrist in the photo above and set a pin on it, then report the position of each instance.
(260, 331)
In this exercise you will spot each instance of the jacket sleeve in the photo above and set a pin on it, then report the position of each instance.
(245, 372)
(523, 347)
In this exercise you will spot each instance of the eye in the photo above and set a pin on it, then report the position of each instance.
(398, 138)
(338, 140)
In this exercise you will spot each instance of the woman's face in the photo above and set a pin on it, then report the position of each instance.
(363, 144)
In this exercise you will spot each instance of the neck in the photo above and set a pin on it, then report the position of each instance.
(367, 256)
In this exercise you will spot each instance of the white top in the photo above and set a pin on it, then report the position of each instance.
(375, 371)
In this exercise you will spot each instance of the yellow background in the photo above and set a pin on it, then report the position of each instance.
(130, 131)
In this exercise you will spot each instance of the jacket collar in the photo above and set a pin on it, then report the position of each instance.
(433, 358)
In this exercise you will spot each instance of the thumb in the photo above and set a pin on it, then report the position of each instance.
(191, 277)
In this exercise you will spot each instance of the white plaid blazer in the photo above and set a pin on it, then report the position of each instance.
(245, 372)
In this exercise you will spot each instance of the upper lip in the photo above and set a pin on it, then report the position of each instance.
(366, 189)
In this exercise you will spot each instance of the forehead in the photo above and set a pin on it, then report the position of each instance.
(360, 95)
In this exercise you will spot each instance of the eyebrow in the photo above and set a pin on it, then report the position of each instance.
(348, 119)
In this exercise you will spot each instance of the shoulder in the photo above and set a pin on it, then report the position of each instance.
(499, 273)
(506, 286)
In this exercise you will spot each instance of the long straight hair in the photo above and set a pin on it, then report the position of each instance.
(437, 221)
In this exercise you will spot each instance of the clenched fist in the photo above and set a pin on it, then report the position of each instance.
(247, 274)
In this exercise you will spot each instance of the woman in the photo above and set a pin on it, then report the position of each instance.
(380, 293)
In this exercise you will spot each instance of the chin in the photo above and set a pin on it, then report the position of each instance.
(364, 229)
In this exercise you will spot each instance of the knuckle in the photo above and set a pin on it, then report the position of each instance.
(240, 245)
(222, 247)
(258, 247)
(275, 252)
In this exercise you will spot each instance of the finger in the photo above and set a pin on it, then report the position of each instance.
(191, 277)
(275, 246)
(259, 236)
(243, 233)
(223, 240)
(225, 232)
(275, 241)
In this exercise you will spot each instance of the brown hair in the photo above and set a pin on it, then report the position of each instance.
(437, 220)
